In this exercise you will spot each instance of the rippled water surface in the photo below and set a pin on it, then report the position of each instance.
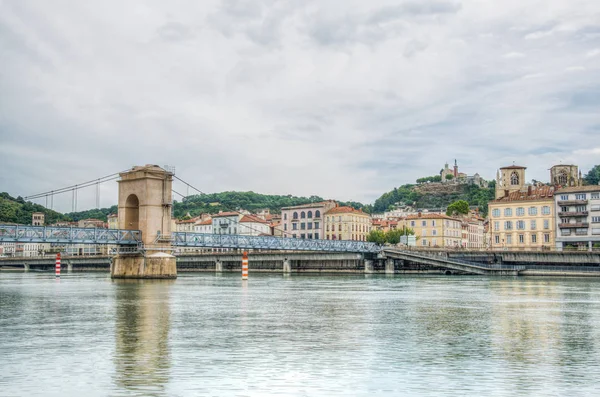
(205, 334)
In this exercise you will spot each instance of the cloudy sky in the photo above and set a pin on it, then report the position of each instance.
(343, 99)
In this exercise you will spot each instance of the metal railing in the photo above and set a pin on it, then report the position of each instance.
(185, 239)
(68, 235)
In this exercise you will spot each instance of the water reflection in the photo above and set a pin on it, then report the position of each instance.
(142, 354)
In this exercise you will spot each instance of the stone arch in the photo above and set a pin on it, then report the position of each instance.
(514, 178)
(563, 178)
(132, 212)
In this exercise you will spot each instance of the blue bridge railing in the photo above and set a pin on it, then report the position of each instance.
(68, 235)
(202, 240)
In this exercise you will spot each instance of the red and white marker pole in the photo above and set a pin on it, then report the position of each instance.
(57, 269)
(245, 266)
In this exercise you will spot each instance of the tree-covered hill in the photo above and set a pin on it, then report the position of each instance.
(17, 210)
(413, 195)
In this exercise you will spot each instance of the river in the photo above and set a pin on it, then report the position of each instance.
(214, 335)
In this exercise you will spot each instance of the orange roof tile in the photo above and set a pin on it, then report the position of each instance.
(533, 194)
(344, 210)
(252, 219)
(225, 214)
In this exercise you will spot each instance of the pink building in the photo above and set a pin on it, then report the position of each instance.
(305, 221)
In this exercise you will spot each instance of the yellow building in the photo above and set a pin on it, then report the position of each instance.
(434, 230)
(523, 219)
(346, 223)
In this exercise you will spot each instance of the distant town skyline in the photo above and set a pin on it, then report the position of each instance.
(344, 101)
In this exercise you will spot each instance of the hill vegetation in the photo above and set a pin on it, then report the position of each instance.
(17, 210)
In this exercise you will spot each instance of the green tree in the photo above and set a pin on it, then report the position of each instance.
(458, 207)
(393, 236)
(377, 237)
(593, 176)
(406, 231)
(449, 176)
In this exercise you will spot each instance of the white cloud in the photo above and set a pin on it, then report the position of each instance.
(300, 97)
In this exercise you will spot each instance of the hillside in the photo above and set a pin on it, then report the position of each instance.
(17, 210)
(435, 196)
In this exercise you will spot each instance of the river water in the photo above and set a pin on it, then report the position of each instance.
(205, 334)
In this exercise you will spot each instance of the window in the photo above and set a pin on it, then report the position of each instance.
(285, 216)
(520, 211)
(546, 224)
(564, 197)
(496, 212)
(497, 239)
(295, 216)
(545, 210)
(595, 208)
(532, 211)
(303, 235)
(514, 178)
(302, 226)
(317, 214)
(534, 238)
(309, 214)
(340, 227)
(533, 224)
(285, 226)
(562, 178)
(546, 238)
(424, 242)
(309, 225)
(339, 236)
(316, 225)
(424, 232)
(595, 231)
(316, 236)
(294, 226)
(580, 196)
(432, 223)
(310, 236)
(508, 239)
(581, 208)
(564, 209)
(521, 239)
(423, 223)
(302, 215)
(412, 223)
(595, 219)
(508, 225)
(595, 196)
(434, 232)
(508, 212)
(521, 225)
(496, 226)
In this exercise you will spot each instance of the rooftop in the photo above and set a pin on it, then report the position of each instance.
(577, 189)
(252, 219)
(222, 214)
(311, 205)
(531, 194)
(513, 167)
(345, 210)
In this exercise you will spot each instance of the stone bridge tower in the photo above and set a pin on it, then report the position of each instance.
(145, 204)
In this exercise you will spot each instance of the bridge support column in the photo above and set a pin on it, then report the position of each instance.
(218, 266)
(158, 265)
(287, 266)
(69, 267)
(368, 266)
(389, 266)
(26, 267)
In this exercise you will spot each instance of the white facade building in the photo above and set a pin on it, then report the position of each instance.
(251, 225)
(226, 223)
(578, 217)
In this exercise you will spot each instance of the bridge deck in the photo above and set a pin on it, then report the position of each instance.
(68, 235)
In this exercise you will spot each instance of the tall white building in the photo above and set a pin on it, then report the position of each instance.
(578, 217)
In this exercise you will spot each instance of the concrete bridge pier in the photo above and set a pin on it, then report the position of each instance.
(69, 267)
(26, 267)
(219, 266)
(287, 266)
(389, 266)
(368, 266)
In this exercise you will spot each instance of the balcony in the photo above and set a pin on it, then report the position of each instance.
(574, 213)
(572, 202)
(581, 233)
(573, 225)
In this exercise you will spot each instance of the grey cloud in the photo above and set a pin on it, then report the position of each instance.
(414, 8)
(175, 31)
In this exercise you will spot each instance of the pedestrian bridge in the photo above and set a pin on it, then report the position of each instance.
(68, 235)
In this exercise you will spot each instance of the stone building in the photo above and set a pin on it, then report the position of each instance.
(37, 219)
(305, 221)
(522, 218)
(347, 223)
(565, 175)
(578, 220)
(252, 225)
(434, 230)
(509, 179)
